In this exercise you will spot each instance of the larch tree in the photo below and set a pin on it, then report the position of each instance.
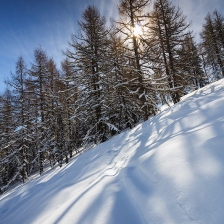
(38, 74)
(191, 64)
(17, 82)
(168, 30)
(11, 165)
(130, 25)
(68, 96)
(212, 43)
(122, 106)
(219, 28)
(88, 53)
(53, 120)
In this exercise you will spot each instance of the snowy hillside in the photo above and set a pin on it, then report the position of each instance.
(169, 169)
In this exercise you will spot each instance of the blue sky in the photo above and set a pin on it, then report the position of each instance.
(28, 24)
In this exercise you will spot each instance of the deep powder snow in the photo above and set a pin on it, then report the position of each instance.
(169, 169)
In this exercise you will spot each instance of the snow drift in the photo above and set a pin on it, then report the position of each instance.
(169, 169)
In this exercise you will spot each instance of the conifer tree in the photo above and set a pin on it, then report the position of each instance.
(123, 110)
(22, 132)
(68, 96)
(168, 30)
(53, 119)
(11, 165)
(219, 28)
(191, 64)
(88, 54)
(131, 14)
(212, 43)
(38, 81)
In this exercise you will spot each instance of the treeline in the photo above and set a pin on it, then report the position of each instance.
(111, 79)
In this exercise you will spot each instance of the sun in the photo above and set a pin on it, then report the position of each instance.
(137, 30)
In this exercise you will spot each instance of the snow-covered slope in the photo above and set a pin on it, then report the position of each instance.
(169, 169)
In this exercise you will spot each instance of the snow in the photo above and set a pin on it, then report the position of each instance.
(169, 169)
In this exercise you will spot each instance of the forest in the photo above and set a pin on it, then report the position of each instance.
(113, 76)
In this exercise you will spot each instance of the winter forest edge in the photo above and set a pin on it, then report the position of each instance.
(111, 79)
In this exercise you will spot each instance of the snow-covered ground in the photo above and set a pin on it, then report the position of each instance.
(169, 169)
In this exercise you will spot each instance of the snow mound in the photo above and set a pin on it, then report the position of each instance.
(169, 169)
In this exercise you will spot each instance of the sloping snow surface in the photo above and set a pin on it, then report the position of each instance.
(169, 169)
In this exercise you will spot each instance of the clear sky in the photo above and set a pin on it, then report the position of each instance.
(28, 24)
